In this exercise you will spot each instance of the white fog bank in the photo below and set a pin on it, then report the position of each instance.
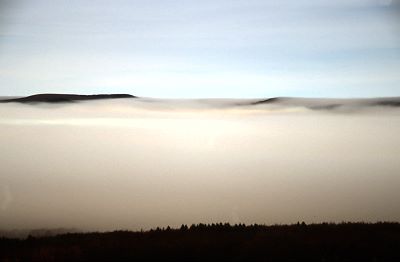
(142, 163)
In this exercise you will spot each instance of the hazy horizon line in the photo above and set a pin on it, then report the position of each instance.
(199, 98)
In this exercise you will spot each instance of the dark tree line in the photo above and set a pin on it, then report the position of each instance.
(224, 242)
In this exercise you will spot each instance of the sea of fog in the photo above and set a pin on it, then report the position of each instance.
(142, 163)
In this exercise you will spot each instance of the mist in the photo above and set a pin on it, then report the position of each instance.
(143, 163)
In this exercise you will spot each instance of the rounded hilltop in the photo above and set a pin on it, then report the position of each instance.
(65, 98)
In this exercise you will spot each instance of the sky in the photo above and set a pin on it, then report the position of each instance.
(196, 49)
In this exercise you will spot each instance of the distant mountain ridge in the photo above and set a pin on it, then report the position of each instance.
(328, 103)
(64, 98)
(315, 104)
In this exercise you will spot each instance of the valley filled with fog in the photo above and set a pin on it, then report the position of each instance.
(141, 163)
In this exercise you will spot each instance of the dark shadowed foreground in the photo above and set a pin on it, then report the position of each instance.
(315, 242)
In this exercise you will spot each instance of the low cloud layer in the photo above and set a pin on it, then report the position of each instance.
(141, 163)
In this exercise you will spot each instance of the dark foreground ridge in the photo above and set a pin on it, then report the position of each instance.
(64, 98)
(220, 242)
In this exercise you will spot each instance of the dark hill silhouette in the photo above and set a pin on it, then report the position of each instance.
(217, 242)
(328, 103)
(394, 103)
(267, 101)
(64, 98)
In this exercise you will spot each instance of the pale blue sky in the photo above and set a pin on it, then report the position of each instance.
(184, 49)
